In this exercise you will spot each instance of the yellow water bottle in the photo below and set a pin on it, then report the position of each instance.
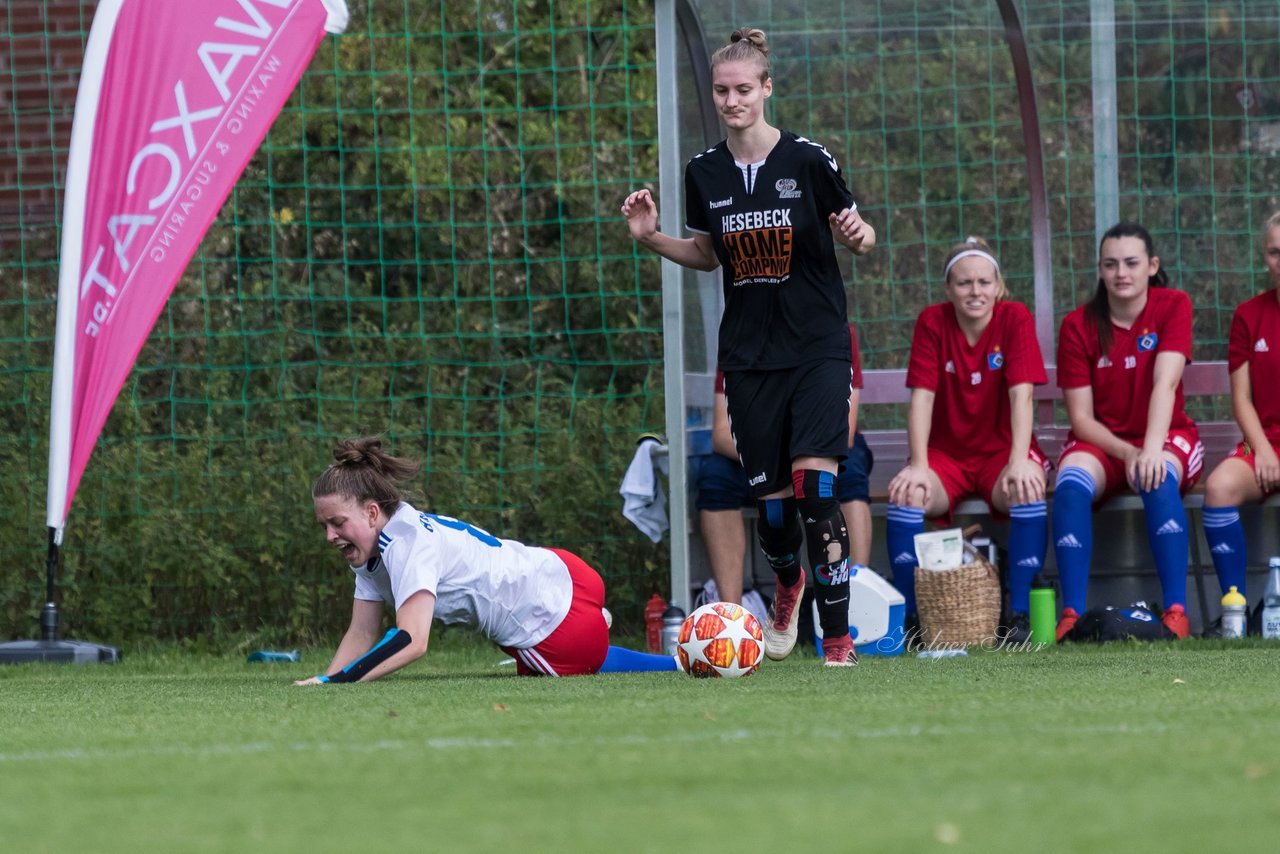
(1234, 608)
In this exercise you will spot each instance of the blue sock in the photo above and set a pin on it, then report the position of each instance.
(1073, 534)
(622, 660)
(901, 526)
(1028, 542)
(1167, 534)
(1225, 535)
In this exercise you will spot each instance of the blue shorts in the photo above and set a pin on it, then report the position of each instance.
(722, 482)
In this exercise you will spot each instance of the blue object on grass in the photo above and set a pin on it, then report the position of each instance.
(623, 660)
(274, 655)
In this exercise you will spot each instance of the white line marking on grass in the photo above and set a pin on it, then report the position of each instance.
(95, 754)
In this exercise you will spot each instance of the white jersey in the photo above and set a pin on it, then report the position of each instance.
(515, 594)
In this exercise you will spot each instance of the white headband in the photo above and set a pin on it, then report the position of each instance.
(970, 253)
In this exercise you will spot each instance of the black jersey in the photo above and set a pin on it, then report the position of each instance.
(784, 301)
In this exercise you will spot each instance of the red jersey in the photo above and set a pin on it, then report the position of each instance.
(1122, 380)
(971, 409)
(857, 365)
(1255, 341)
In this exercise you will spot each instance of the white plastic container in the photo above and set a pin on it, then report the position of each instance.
(876, 613)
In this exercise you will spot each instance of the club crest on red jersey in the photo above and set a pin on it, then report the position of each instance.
(1147, 341)
(995, 360)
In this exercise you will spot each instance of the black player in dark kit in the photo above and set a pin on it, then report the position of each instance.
(767, 206)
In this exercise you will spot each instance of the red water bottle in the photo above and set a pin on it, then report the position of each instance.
(653, 622)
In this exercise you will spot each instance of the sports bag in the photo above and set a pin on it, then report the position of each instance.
(1112, 623)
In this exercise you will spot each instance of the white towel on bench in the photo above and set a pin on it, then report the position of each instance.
(643, 501)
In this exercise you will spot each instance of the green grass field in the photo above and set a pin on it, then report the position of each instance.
(1163, 747)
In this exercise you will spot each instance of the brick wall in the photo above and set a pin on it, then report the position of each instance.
(41, 48)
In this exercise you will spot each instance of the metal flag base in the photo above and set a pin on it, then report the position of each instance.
(57, 652)
(53, 651)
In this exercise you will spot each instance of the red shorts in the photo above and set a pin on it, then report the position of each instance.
(1244, 452)
(1183, 444)
(580, 643)
(962, 478)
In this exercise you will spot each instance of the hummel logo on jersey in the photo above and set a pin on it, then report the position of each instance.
(1223, 549)
(1130, 362)
(975, 377)
(758, 479)
(904, 557)
(1104, 362)
(1070, 542)
(1029, 561)
(723, 203)
(951, 367)
(1261, 346)
(1169, 527)
(786, 188)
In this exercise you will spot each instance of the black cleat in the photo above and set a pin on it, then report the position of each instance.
(1016, 629)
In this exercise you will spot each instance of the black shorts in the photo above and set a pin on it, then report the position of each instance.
(776, 416)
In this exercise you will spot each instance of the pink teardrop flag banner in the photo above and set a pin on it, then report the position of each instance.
(174, 99)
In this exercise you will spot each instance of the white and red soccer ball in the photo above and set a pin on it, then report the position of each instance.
(720, 639)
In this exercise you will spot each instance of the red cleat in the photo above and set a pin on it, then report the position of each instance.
(783, 625)
(839, 652)
(1066, 624)
(1175, 620)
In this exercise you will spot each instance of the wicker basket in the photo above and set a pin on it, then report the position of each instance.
(958, 606)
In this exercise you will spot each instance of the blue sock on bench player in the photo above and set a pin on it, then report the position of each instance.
(1225, 535)
(1073, 534)
(1167, 534)
(1028, 542)
(901, 526)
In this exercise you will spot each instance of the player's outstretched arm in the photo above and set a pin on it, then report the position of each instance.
(404, 644)
(362, 634)
(694, 252)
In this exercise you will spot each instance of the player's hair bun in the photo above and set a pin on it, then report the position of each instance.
(756, 37)
(365, 451)
(362, 470)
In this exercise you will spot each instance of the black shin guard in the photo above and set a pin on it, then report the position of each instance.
(780, 537)
(828, 540)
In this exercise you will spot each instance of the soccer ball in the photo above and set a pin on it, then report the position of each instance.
(720, 639)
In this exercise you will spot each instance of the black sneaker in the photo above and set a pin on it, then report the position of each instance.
(1016, 630)
(911, 632)
(1213, 630)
